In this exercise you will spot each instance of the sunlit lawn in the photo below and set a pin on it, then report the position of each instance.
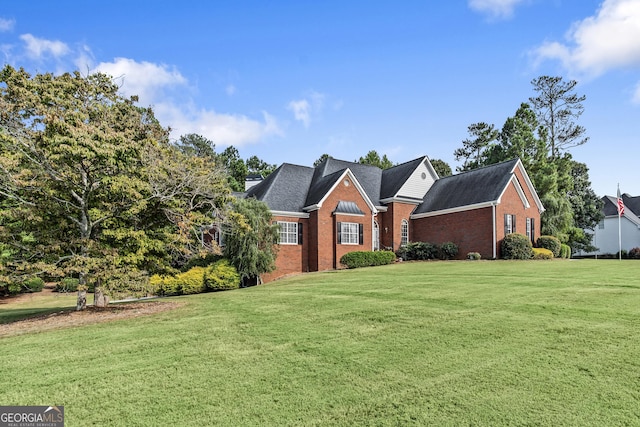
(436, 343)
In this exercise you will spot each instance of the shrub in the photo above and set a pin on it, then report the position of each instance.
(367, 258)
(516, 246)
(33, 284)
(192, 281)
(187, 283)
(634, 253)
(565, 251)
(155, 284)
(550, 242)
(473, 256)
(448, 250)
(221, 276)
(542, 253)
(202, 261)
(418, 251)
(622, 254)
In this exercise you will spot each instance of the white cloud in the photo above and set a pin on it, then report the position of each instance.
(300, 109)
(145, 79)
(304, 108)
(37, 48)
(6, 25)
(155, 83)
(222, 129)
(595, 45)
(497, 9)
(230, 89)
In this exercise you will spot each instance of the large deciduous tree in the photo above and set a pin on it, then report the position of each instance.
(77, 164)
(558, 107)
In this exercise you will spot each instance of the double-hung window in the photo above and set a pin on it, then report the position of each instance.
(404, 232)
(531, 229)
(350, 233)
(509, 224)
(289, 232)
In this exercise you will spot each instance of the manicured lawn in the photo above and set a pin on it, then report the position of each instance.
(437, 343)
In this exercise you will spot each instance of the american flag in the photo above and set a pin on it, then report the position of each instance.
(620, 204)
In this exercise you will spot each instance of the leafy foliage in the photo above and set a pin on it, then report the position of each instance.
(250, 238)
(516, 246)
(418, 251)
(91, 187)
(448, 250)
(473, 149)
(550, 242)
(634, 253)
(542, 253)
(565, 251)
(441, 167)
(221, 276)
(474, 256)
(373, 158)
(359, 259)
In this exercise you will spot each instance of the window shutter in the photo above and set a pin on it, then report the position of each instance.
(339, 227)
(299, 233)
(506, 224)
(533, 230)
(361, 234)
(513, 223)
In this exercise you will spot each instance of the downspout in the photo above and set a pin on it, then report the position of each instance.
(373, 228)
(495, 232)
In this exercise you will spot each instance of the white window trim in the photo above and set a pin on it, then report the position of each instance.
(404, 225)
(347, 229)
(290, 229)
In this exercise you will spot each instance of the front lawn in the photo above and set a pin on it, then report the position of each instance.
(434, 343)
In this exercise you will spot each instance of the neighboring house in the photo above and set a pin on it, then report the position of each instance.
(340, 207)
(609, 230)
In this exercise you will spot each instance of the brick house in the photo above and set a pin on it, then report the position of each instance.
(340, 207)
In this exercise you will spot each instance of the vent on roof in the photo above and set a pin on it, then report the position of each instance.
(347, 208)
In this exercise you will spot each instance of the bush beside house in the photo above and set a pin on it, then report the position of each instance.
(367, 258)
(516, 246)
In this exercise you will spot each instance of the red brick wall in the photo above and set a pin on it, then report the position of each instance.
(329, 252)
(471, 230)
(291, 258)
(390, 224)
(511, 204)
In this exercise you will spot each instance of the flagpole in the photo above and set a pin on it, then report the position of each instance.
(619, 226)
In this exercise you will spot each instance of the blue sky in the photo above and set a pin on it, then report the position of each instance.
(290, 80)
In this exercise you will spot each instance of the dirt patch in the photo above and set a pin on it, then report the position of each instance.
(70, 317)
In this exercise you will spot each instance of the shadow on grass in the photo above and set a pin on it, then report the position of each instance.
(11, 315)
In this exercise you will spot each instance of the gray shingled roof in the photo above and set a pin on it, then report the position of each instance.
(468, 188)
(285, 189)
(610, 207)
(394, 178)
(370, 177)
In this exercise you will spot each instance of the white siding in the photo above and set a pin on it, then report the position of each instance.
(419, 182)
(606, 239)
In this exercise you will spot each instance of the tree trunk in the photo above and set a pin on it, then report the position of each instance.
(82, 299)
(99, 298)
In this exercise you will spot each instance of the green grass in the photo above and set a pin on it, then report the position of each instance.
(436, 343)
(35, 304)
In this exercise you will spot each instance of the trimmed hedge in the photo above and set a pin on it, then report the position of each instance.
(542, 253)
(221, 276)
(217, 277)
(474, 256)
(565, 251)
(448, 250)
(516, 246)
(550, 242)
(367, 258)
(418, 251)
